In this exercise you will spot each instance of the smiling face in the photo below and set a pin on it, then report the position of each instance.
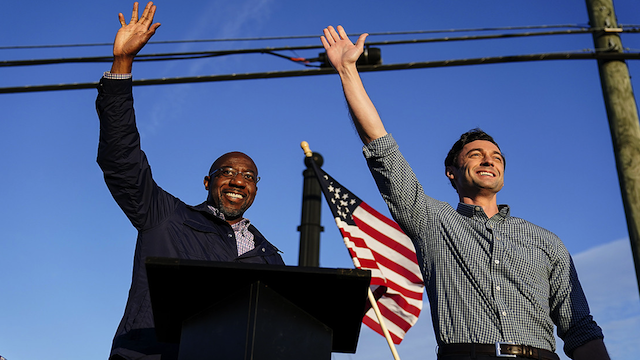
(479, 170)
(233, 194)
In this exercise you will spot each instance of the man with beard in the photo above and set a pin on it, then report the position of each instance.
(167, 227)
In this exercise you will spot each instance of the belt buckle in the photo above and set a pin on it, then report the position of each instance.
(499, 350)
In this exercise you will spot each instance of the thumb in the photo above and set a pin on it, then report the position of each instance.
(360, 42)
(154, 27)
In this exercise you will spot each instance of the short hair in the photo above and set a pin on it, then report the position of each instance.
(470, 136)
(216, 163)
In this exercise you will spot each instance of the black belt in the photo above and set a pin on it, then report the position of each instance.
(499, 349)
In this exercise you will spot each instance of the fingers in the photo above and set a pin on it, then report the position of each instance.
(145, 19)
(148, 14)
(324, 43)
(327, 38)
(343, 34)
(134, 14)
(332, 36)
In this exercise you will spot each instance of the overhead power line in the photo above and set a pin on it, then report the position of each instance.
(325, 71)
(264, 38)
(323, 65)
(273, 50)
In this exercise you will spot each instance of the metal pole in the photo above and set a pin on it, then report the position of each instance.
(310, 227)
(622, 112)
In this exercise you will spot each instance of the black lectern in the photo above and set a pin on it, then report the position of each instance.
(222, 310)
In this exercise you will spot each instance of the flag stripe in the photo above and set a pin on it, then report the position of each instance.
(385, 306)
(380, 217)
(372, 322)
(386, 235)
(405, 268)
(377, 243)
(400, 253)
(396, 333)
(403, 303)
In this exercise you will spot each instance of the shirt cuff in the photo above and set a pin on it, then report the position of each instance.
(110, 76)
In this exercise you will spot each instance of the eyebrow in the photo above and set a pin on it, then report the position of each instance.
(231, 167)
(482, 150)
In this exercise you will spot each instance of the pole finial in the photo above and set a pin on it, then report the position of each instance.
(305, 147)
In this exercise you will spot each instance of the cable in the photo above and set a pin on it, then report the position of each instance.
(325, 71)
(389, 33)
(159, 57)
(273, 50)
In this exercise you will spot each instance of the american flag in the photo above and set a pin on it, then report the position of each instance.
(376, 243)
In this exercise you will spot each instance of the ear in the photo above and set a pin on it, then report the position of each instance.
(450, 172)
(206, 182)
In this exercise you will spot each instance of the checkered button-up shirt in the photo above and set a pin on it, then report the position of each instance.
(487, 279)
(244, 237)
(109, 75)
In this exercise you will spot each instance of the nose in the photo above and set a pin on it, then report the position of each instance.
(238, 179)
(488, 160)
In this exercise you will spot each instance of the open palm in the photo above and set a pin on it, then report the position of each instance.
(132, 37)
(340, 50)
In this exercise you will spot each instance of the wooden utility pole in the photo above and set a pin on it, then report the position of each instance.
(622, 112)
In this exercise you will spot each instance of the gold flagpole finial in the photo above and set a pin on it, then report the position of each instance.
(305, 147)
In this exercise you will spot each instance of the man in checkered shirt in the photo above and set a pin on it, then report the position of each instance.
(497, 285)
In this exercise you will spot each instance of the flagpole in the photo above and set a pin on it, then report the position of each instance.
(374, 304)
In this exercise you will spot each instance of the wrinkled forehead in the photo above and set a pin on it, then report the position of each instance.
(236, 160)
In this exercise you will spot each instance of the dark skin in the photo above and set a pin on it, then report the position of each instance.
(132, 37)
(232, 196)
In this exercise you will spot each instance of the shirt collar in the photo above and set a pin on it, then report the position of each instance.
(504, 211)
(241, 225)
(471, 211)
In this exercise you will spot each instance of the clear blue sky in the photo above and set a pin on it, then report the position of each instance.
(67, 248)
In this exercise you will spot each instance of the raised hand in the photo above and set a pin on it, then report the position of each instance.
(132, 37)
(340, 50)
(343, 55)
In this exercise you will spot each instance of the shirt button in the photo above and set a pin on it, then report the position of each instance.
(229, 235)
(264, 250)
(497, 261)
(498, 288)
(504, 313)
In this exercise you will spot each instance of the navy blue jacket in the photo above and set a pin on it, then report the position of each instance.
(167, 227)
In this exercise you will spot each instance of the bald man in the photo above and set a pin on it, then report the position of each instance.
(215, 230)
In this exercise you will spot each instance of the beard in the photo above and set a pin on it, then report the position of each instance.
(228, 212)
(231, 214)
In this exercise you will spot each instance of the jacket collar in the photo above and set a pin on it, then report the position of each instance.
(261, 242)
(206, 209)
